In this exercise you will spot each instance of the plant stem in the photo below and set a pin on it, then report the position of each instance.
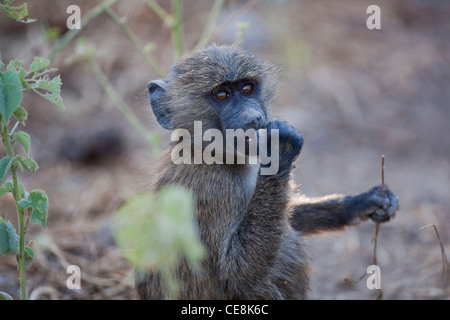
(160, 12)
(246, 7)
(173, 21)
(133, 38)
(209, 27)
(22, 232)
(177, 32)
(151, 139)
(69, 35)
(20, 214)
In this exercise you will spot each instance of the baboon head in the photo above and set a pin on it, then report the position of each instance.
(225, 87)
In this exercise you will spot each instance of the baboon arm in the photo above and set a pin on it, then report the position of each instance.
(329, 213)
(334, 212)
(253, 247)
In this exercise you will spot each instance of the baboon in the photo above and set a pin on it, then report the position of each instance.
(251, 224)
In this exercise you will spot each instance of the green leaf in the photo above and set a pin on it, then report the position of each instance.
(39, 63)
(3, 190)
(5, 296)
(24, 139)
(10, 94)
(9, 186)
(4, 243)
(5, 167)
(24, 204)
(21, 115)
(13, 237)
(52, 90)
(9, 240)
(37, 79)
(157, 229)
(28, 163)
(16, 66)
(17, 13)
(38, 202)
(29, 256)
(21, 191)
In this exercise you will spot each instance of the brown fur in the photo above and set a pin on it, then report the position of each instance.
(250, 224)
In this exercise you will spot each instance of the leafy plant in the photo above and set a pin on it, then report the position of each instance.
(18, 13)
(157, 230)
(32, 206)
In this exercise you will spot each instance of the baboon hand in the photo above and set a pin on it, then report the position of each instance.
(380, 208)
(290, 141)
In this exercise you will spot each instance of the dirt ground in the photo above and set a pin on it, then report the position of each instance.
(354, 94)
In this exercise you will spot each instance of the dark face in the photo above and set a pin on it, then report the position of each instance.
(239, 106)
(225, 87)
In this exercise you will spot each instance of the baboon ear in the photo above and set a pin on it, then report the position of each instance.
(159, 100)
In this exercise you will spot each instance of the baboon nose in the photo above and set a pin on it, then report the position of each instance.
(253, 122)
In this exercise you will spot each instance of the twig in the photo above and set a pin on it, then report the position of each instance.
(445, 264)
(377, 226)
(375, 238)
(383, 188)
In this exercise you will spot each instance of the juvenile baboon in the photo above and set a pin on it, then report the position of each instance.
(251, 224)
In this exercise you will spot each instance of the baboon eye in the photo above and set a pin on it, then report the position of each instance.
(247, 88)
(222, 95)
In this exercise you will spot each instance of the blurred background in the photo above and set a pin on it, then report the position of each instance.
(354, 94)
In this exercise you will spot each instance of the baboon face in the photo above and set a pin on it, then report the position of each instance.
(225, 87)
(238, 104)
